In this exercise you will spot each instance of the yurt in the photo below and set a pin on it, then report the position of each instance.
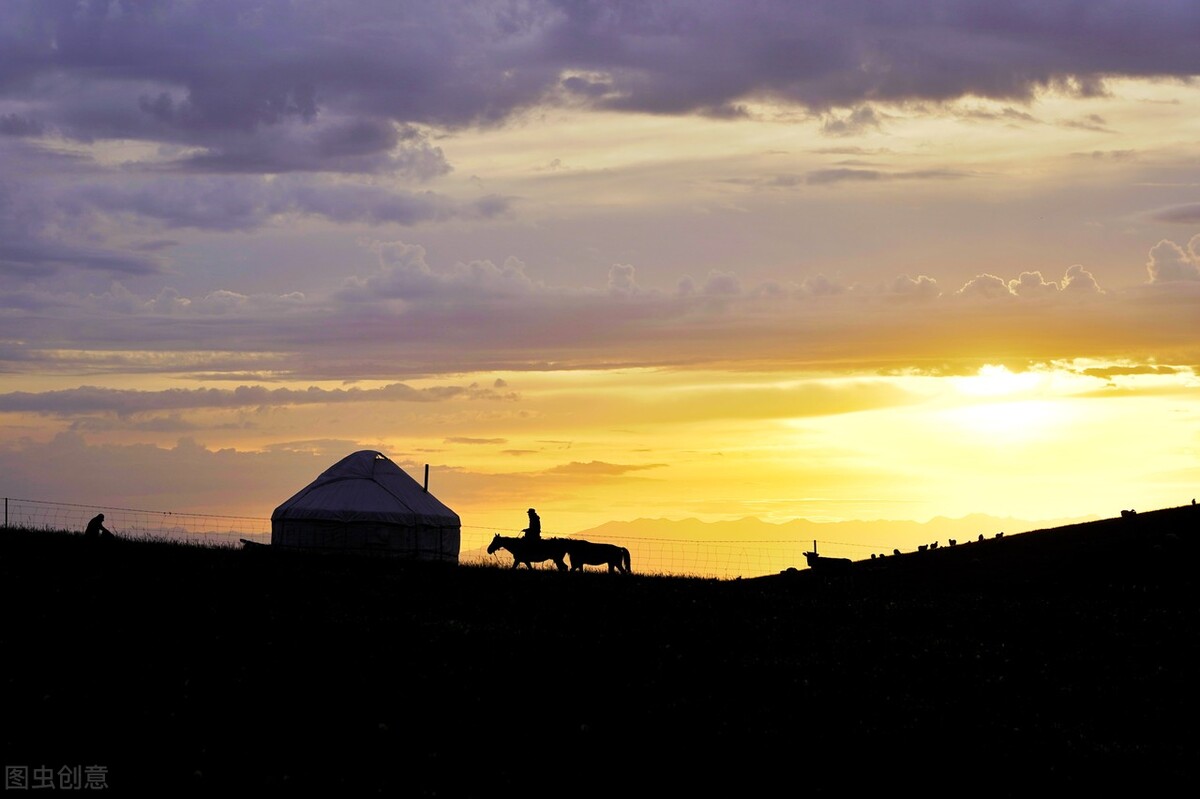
(366, 503)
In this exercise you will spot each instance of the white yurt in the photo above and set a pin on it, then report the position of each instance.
(366, 503)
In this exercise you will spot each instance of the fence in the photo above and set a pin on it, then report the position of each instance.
(197, 528)
(720, 559)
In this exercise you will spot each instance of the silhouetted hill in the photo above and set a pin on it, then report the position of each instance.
(1055, 659)
(1158, 544)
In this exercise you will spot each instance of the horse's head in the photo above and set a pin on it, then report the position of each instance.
(492, 547)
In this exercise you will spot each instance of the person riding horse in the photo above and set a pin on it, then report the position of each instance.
(534, 530)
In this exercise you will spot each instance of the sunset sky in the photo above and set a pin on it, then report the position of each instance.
(849, 260)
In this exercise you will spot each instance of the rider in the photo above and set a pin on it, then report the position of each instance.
(534, 531)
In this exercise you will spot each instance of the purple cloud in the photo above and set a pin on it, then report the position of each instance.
(206, 73)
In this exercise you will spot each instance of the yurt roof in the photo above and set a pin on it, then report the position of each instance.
(366, 486)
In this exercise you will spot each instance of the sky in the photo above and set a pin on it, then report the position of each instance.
(615, 260)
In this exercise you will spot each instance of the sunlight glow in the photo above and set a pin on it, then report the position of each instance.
(995, 381)
(1007, 424)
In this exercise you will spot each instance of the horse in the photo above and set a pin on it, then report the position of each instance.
(531, 551)
(586, 552)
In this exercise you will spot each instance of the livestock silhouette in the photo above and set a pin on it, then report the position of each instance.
(531, 551)
(587, 553)
(824, 565)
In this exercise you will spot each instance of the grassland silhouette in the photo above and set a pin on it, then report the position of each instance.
(1060, 658)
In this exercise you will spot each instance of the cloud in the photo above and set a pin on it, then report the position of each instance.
(1007, 114)
(821, 286)
(15, 125)
(1169, 263)
(985, 286)
(411, 318)
(1031, 284)
(405, 274)
(287, 68)
(225, 203)
(1078, 280)
(821, 177)
(921, 287)
(1092, 122)
(824, 177)
(1188, 214)
(362, 145)
(40, 237)
(125, 402)
(721, 284)
(621, 279)
(858, 121)
(1125, 371)
(216, 479)
(600, 469)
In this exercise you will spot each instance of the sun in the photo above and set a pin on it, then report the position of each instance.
(994, 380)
(1007, 424)
(1004, 409)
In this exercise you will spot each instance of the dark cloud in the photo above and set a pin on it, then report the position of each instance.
(1180, 214)
(825, 177)
(1092, 122)
(39, 258)
(223, 202)
(195, 72)
(1124, 371)
(587, 88)
(124, 402)
(1109, 155)
(820, 177)
(39, 239)
(14, 125)
(1009, 114)
(355, 146)
(856, 122)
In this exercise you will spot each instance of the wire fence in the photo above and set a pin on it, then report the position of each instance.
(720, 559)
(195, 528)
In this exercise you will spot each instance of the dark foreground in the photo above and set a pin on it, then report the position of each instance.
(1057, 659)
